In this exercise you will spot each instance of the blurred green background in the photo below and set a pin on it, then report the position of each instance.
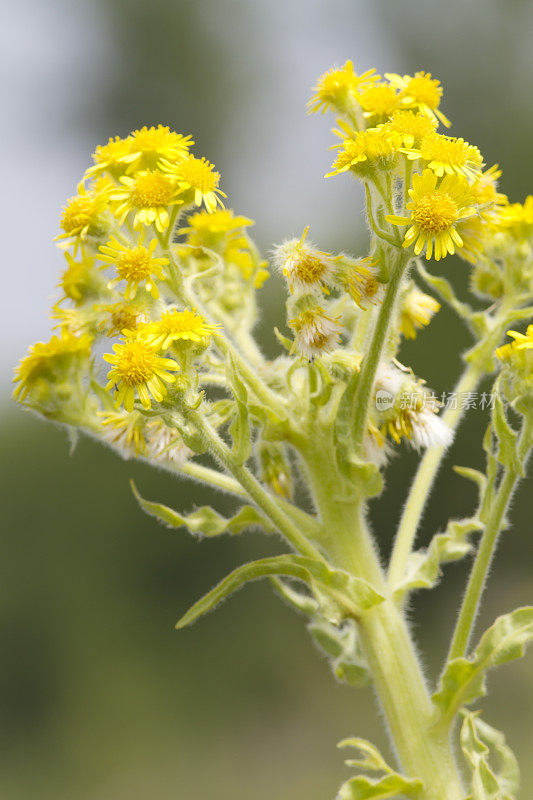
(101, 699)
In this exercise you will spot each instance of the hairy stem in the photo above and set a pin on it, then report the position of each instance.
(373, 356)
(485, 554)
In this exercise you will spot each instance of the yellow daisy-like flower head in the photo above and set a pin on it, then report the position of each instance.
(368, 149)
(484, 188)
(304, 267)
(148, 194)
(111, 157)
(359, 277)
(316, 332)
(379, 101)
(336, 87)
(135, 265)
(137, 368)
(517, 356)
(80, 280)
(197, 178)
(177, 326)
(421, 92)
(411, 126)
(149, 145)
(49, 362)
(517, 218)
(417, 310)
(124, 432)
(119, 317)
(83, 214)
(446, 155)
(436, 208)
(207, 229)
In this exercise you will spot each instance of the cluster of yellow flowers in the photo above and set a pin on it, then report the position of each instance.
(127, 249)
(389, 131)
(155, 262)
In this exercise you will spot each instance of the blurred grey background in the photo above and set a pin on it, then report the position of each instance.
(101, 699)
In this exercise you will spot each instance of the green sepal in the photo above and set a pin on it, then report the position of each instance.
(205, 521)
(390, 785)
(423, 567)
(480, 741)
(338, 594)
(463, 679)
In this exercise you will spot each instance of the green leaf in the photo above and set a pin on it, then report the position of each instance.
(339, 594)
(463, 680)
(240, 427)
(340, 645)
(205, 520)
(479, 741)
(507, 437)
(424, 566)
(445, 290)
(391, 785)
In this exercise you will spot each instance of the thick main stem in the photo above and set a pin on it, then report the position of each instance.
(423, 751)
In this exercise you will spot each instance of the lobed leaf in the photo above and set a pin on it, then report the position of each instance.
(478, 742)
(424, 566)
(205, 520)
(463, 680)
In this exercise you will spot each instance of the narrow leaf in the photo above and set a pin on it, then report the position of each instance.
(340, 593)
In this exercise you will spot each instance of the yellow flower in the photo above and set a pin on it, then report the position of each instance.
(373, 146)
(177, 326)
(517, 218)
(83, 214)
(149, 145)
(422, 92)
(411, 126)
(435, 212)
(48, 361)
(137, 368)
(380, 101)
(448, 155)
(119, 317)
(110, 157)
(197, 177)
(336, 86)
(135, 265)
(360, 279)
(149, 194)
(80, 279)
(303, 266)
(316, 332)
(484, 188)
(518, 354)
(124, 432)
(417, 310)
(204, 226)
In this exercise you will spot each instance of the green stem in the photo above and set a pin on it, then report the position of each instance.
(423, 482)
(423, 751)
(373, 357)
(272, 508)
(485, 553)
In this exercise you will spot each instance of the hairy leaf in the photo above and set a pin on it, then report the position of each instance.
(205, 520)
(339, 594)
(507, 437)
(463, 680)
(391, 785)
(445, 290)
(424, 566)
(240, 427)
(479, 741)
